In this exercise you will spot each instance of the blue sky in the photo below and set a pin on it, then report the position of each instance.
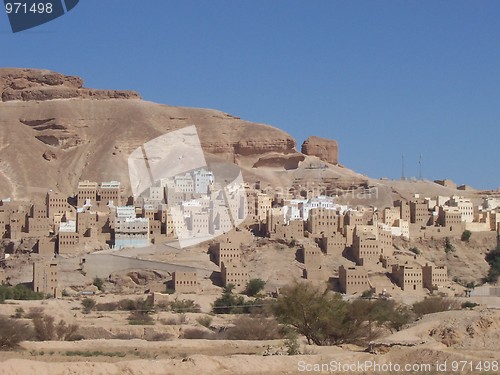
(383, 78)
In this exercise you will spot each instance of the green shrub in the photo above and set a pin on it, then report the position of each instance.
(292, 344)
(415, 250)
(99, 283)
(184, 306)
(321, 316)
(88, 305)
(493, 259)
(229, 303)
(19, 292)
(469, 305)
(466, 235)
(254, 287)
(367, 293)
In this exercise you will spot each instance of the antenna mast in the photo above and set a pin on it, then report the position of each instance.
(420, 167)
(403, 167)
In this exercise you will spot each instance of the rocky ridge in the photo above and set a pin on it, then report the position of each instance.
(41, 85)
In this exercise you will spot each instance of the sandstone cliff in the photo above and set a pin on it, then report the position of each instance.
(325, 149)
(39, 85)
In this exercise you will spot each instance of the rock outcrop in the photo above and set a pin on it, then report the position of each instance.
(274, 160)
(325, 149)
(42, 85)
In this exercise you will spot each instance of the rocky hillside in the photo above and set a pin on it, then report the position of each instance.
(54, 132)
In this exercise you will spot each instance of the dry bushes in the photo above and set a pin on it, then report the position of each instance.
(12, 332)
(254, 328)
(46, 330)
(197, 333)
(205, 321)
(434, 305)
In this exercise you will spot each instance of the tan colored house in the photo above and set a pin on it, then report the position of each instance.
(2, 276)
(87, 193)
(419, 212)
(110, 192)
(450, 217)
(57, 203)
(408, 278)
(45, 278)
(38, 211)
(185, 282)
(86, 223)
(390, 215)
(388, 262)
(322, 220)
(228, 248)
(404, 209)
(353, 279)
(312, 255)
(315, 273)
(38, 227)
(464, 206)
(353, 218)
(366, 248)
(47, 246)
(263, 205)
(156, 298)
(68, 238)
(234, 273)
(333, 244)
(226, 252)
(446, 183)
(434, 277)
(294, 230)
(16, 223)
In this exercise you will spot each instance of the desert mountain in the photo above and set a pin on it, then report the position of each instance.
(54, 132)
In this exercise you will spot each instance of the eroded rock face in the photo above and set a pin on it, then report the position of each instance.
(275, 160)
(325, 149)
(42, 85)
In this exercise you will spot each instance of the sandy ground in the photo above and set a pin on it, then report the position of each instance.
(470, 335)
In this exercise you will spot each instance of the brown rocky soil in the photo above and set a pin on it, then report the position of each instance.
(469, 335)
